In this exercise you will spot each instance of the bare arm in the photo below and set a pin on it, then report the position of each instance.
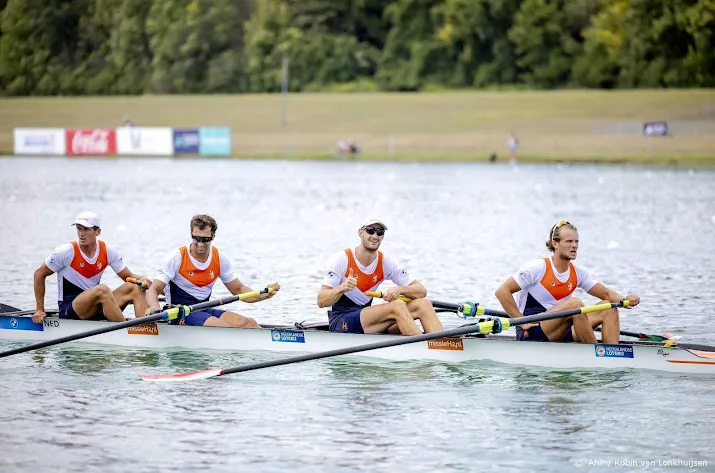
(602, 292)
(152, 296)
(327, 296)
(39, 277)
(505, 294)
(127, 273)
(236, 287)
(415, 290)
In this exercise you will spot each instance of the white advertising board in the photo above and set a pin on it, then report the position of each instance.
(145, 141)
(42, 141)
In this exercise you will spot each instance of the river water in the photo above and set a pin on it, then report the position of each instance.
(460, 228)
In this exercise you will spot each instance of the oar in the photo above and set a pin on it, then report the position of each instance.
(489, 326)
(168, 314)
(468, 309)
(136, 281)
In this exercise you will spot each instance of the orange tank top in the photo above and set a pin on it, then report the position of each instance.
(199, 277)
(556, 288)
(365, 281)
(89, 270)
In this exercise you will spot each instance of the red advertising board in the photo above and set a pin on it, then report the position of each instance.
(92, 142)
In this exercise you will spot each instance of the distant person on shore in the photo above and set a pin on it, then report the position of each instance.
(347, 147)
(127, 121)
(493, 158)
(513, 144)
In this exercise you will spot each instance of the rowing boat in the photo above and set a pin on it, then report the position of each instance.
(311, 338)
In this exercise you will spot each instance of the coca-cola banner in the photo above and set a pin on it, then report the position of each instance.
(91, 142)
(145, 141)
(42, 141)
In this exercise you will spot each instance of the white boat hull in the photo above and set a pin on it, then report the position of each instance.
(499, 349)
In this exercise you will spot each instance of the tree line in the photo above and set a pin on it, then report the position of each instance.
(76, 47)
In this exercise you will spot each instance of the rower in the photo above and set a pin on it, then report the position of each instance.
(188, 275)
(79, 266)
(548, 285)
(353, 272)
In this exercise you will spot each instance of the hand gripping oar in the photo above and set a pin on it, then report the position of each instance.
(489, 326)
(466, 309)
(168, 314)
(136, 281)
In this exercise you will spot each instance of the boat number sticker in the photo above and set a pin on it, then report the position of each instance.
(20, 323)
(292, 336)
(147, 329)
(51, 322)
(445, 344)
(614, 351)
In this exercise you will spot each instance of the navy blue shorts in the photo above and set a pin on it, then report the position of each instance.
(67, 312)
(198, 318)
(346, 321)
(536, 334)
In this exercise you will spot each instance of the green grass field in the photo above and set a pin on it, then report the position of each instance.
(450, 126)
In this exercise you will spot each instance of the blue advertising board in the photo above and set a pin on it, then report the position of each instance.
(215, 141)
(186, 141)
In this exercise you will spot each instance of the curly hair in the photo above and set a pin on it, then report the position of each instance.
(202, 221)
(555, 234)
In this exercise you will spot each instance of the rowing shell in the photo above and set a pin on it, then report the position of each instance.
(503, 349)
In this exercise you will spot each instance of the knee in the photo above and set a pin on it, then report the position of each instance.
(611, 315)
(251, 323)
(423, 304)
(575, 303)
(581, 318)
(103, 291)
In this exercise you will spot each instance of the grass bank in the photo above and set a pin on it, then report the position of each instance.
(452, 126)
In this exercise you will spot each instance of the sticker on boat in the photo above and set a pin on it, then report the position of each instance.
(614, 351)
(20, 323)
(148, 329)
(445, 344)
(292, 336)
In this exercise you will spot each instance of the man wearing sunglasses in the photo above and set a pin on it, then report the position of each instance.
(353, 272)
(548, 284)
(79, 266)
(188, 275)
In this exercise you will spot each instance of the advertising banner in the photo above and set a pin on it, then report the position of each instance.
(42, 141)
(91, 142)
(145, 141)
(186, 141)
(215, 141)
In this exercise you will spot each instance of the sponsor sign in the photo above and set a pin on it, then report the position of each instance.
(293, 336)
(43, 141)
(20, 323)
(614, 351)
(145, 141)
(91, 142)
(445, 344)
(186, 141)
(215, 141)
(148, 329)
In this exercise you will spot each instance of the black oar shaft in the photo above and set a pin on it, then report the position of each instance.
(455, 332)
(129, 323)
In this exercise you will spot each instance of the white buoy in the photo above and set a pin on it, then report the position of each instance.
(612, 245)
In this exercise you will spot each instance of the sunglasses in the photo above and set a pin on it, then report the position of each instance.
(201, 239)
(373, 230)
(558, 225)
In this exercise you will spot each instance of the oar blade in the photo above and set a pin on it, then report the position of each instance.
(164, 378)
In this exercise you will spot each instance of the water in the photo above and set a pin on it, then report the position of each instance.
(460, 228)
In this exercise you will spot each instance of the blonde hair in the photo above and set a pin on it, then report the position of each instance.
(555, 234)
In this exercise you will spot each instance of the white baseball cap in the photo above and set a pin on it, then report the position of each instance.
(373, 221)
(87, 219)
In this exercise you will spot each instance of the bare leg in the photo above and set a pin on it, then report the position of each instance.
(557, 329)
(127, 293)
(610, 324)
(422, 309)
(379, 318)
(100, 297)
(231, 319)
